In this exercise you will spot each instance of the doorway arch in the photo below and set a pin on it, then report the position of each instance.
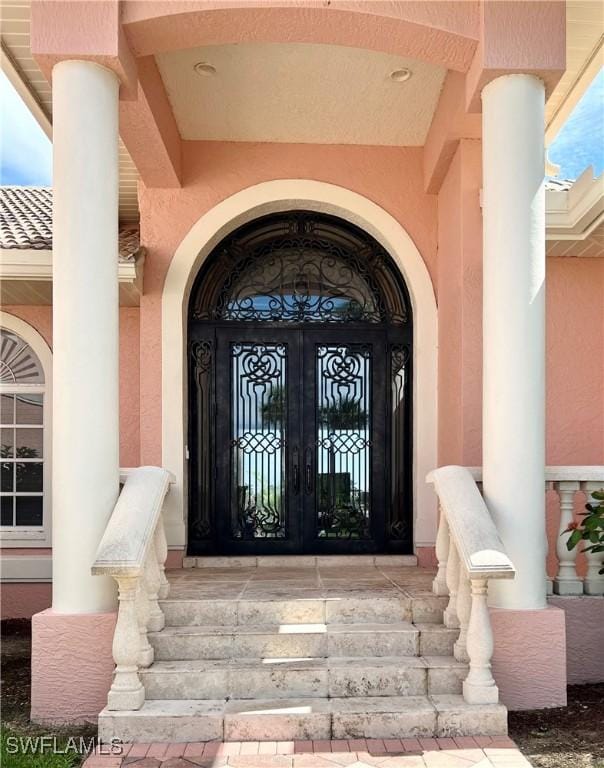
(213, 226)
(300, 342)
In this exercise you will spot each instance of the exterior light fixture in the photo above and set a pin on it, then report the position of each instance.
(400, 75)
(203, 68)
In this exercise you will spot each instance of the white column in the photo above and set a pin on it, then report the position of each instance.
(514, 330)
(85, 329)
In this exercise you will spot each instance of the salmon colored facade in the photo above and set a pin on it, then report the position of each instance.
(426, 203)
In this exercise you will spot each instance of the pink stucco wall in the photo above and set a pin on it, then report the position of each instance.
(391, 177)
(70, 675)
(575, 340)
(584, 637)
(20, 600)
(459, 291)
(529, 657)
(575, 375)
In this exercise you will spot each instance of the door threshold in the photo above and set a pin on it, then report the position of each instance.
(299, 561)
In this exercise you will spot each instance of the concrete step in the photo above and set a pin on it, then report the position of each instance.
(302, 561)
(436, 639)
(330, 610)
(289, 641)
(302, 678)
(303, 718)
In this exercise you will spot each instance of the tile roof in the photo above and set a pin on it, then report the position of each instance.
(26, 222)
(558, 185)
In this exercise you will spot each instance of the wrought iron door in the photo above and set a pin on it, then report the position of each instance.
(300, 343)
(258, 440)
(344, 440)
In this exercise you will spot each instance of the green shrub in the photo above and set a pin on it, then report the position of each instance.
(591, 528)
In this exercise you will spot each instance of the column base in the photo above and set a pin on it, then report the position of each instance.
(529, 657)
(593, 587)
(568, 587)
(584, 647)
(480, 694)
(71, 666)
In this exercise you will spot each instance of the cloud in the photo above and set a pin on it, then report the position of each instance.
(25, 150)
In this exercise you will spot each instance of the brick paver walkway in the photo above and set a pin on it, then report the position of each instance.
(460, 752)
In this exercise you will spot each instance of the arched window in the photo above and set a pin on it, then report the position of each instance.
(24, 436)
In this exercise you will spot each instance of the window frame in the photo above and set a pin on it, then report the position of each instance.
(33, 536)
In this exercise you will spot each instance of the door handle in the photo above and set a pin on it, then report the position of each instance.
(308, 470)
(296, 457)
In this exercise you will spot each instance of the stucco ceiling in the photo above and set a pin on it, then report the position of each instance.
(303, 93)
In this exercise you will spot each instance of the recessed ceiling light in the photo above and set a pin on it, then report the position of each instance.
(400, 75)
(203, 68)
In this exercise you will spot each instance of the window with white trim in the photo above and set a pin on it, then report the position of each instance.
(24, 443)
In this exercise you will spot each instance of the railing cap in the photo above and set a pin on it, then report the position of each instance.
(472, 528)
(124, 545)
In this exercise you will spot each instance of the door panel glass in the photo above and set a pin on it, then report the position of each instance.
(258, 440)
(343, 441)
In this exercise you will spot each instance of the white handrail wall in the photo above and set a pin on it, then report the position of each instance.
(475, 554)
(566, 482)
(133, 551)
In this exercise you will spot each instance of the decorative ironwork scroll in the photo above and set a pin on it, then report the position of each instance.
(301, 267)
(202, 439)
(398, 526)
(343, 461)
(258, 424)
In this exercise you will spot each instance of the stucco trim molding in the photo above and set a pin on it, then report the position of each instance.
(23, 568)
(248, 204)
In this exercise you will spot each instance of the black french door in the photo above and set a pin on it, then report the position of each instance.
(300, 340)
(300, 440)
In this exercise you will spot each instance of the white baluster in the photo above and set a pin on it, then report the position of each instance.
(566, 582)
(479, 686)
(151, 578)
(593, 583)
(464, 608)
(439, 585)
(549, 582)
(450, 615)
(161, 552)
(145, 653)
(126, 690)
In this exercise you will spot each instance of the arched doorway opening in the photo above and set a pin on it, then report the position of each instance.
(300, 342)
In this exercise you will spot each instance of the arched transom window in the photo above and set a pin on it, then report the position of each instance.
(23, 443)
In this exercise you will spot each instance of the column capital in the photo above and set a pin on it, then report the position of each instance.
(82, 31)
(518, 37)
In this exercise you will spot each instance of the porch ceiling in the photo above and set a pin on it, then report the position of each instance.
(300, 93)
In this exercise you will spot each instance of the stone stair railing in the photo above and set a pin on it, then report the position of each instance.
(567, 482)
(469, 552)
(133, 551)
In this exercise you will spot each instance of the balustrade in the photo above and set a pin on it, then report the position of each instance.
(133, 551)
(469, 553)
(567, 482)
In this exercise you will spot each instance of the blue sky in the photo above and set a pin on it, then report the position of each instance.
(26, 153)
(581, 141)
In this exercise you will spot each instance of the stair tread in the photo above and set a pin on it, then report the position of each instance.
(360, 704)
(198, 665)
(285, 629)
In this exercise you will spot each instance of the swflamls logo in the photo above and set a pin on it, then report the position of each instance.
(38, 745)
